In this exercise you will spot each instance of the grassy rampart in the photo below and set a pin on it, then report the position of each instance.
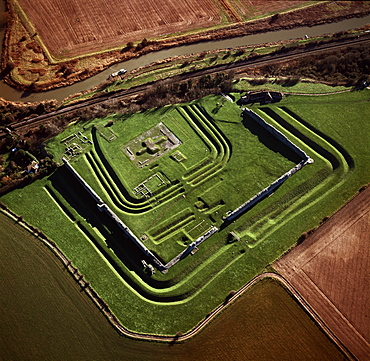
(330, 129)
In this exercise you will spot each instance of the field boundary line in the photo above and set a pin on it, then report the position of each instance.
(104, 308)
(335, 309)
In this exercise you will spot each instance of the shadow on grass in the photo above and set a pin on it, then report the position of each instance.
(127, 252)
(268, 140)
(331, 141)
(112, 173)
(310, 143)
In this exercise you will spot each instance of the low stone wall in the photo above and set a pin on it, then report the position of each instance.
(82, 181)
(274, 132)
(131, 235)
(230, 216)
(191, 246)
(103, 207)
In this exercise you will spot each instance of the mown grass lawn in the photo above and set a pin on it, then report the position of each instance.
(338, 135)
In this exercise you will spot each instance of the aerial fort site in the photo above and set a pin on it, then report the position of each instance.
(184, 180)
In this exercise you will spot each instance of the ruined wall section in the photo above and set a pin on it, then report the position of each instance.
(230, 216)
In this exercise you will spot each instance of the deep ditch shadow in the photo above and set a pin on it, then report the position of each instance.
(110, 170)
(268, 140)
(310, 143)
(330, 140)
(124, 248)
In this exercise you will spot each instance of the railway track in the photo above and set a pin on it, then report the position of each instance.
(249, 63)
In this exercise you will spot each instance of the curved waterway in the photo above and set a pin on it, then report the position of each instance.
(10, 93)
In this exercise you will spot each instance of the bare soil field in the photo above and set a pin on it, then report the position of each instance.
(95, 25)
(42, 37)
(255, 8)
(101, 25)
(46, 316)
(330, 269)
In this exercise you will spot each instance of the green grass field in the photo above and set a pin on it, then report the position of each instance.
(304, 86)
(225, 161)
(45, 316)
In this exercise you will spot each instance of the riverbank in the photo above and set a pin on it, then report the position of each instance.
(36, 71)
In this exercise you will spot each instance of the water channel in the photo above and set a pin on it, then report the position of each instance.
(10, 93)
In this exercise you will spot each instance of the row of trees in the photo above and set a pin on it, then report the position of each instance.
(165, 92)
(12, 112)
(130, 46)
(347, 66)
(169, 91)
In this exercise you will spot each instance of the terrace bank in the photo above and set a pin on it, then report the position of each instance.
(103, 207)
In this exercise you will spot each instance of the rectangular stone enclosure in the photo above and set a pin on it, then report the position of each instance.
(151, 145)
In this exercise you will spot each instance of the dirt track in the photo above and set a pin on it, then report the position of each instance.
(330, 271)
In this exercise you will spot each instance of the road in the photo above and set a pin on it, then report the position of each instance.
(249, 63)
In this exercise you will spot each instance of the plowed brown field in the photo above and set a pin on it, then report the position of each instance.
(77, 27)
(331, 271)
(97, 31)
(254, 8)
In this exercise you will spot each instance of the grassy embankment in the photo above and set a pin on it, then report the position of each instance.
(47, 317)
(304, 86)
(273, 226)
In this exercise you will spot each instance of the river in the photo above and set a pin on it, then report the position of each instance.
(10, 93)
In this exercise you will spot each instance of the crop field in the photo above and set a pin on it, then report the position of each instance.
(46, 316)
(101, 25)
(221, 160)
(330, 270)
(255, 8)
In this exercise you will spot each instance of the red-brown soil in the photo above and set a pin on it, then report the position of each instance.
(100, 25)
(93, 25)
(82, 31)
(255, 8)
(330, 269)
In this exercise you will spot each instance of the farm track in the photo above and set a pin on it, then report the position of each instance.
(230, 11)
(124, 94)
